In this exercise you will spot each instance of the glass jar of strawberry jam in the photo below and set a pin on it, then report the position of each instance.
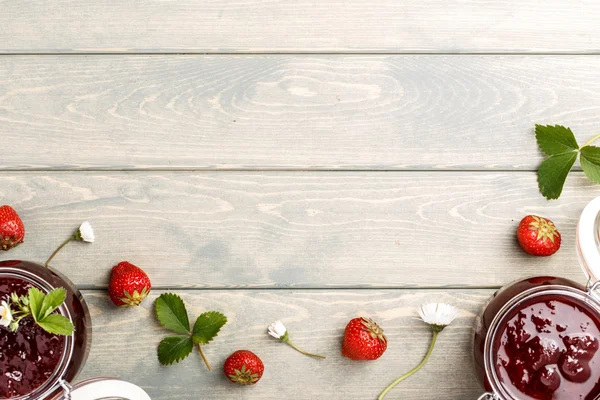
(36, 364)
(539, 337)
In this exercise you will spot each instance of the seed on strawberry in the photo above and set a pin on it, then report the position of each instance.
(12, 231)
(244, 367)
(363, 340)
(128, 285)
(538, 236)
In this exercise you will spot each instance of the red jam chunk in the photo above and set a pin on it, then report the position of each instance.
(549, 351)
(29, 356)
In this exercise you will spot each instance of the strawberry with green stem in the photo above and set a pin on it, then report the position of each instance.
(12, 230)
(538, 236)
(129, 285)
(363, 340)
(244, 367)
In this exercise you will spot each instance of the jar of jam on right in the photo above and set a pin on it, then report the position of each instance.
(539, 338)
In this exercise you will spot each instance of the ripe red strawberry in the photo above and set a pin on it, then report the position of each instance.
(12, 231)
(244, 367)
(363, 340)
(538, 236)
(128, 285)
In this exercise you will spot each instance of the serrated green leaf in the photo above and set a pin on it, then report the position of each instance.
(554, 140)
(57, 324)
(36, 299)
(590, 162)
(171, 313)
(174, 349)
(553, 172)
(207, 326)
(52, 301)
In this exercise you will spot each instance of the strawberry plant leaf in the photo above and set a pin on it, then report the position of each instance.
(553, 172)
(174, 349)
(36, 299)
(171, 313)
(52, 301)
(590, 162)
(57, 324)
(207, 326)
(554, 140)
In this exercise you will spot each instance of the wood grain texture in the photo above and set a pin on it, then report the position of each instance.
(320, 229)
(316, 320)
(289, 112)
(299, 26)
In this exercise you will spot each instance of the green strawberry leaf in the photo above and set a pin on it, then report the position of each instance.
(52, 301)
(554, 140)
(36, 299)
(57, 324)
(590, 162)
(171, 313)
(207, 326)
(553, 172)
(174, 349)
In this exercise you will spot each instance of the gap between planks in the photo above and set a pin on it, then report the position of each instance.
(296, 53)
(92, 288)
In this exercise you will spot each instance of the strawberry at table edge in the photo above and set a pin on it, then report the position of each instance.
(12, 230)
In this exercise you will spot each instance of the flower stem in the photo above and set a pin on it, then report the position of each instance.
(59, 249)
(204, 358)
(591, 141)
(304, 352)
(412, 371)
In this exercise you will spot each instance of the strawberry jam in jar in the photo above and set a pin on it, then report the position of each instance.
(539, 338)
(33, 362)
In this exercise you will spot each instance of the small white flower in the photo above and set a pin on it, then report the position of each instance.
(5, 314)
(86, 233)
(438, 315)
(277, 329)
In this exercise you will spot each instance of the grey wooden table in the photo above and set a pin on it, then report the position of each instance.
(296, 160)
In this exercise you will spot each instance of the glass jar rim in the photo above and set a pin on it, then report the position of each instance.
(489, 354)
(53, 382)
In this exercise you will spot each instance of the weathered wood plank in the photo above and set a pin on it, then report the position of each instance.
(316, 320)
(325, 229)
(299, 26)
(289, 112)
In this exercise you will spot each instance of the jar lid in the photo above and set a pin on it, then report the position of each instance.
(588, 241)
(101, 388)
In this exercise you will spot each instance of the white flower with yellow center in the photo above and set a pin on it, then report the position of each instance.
(5, 314)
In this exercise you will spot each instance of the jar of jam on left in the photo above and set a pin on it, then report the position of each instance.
(539, 337)
(38, 364)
